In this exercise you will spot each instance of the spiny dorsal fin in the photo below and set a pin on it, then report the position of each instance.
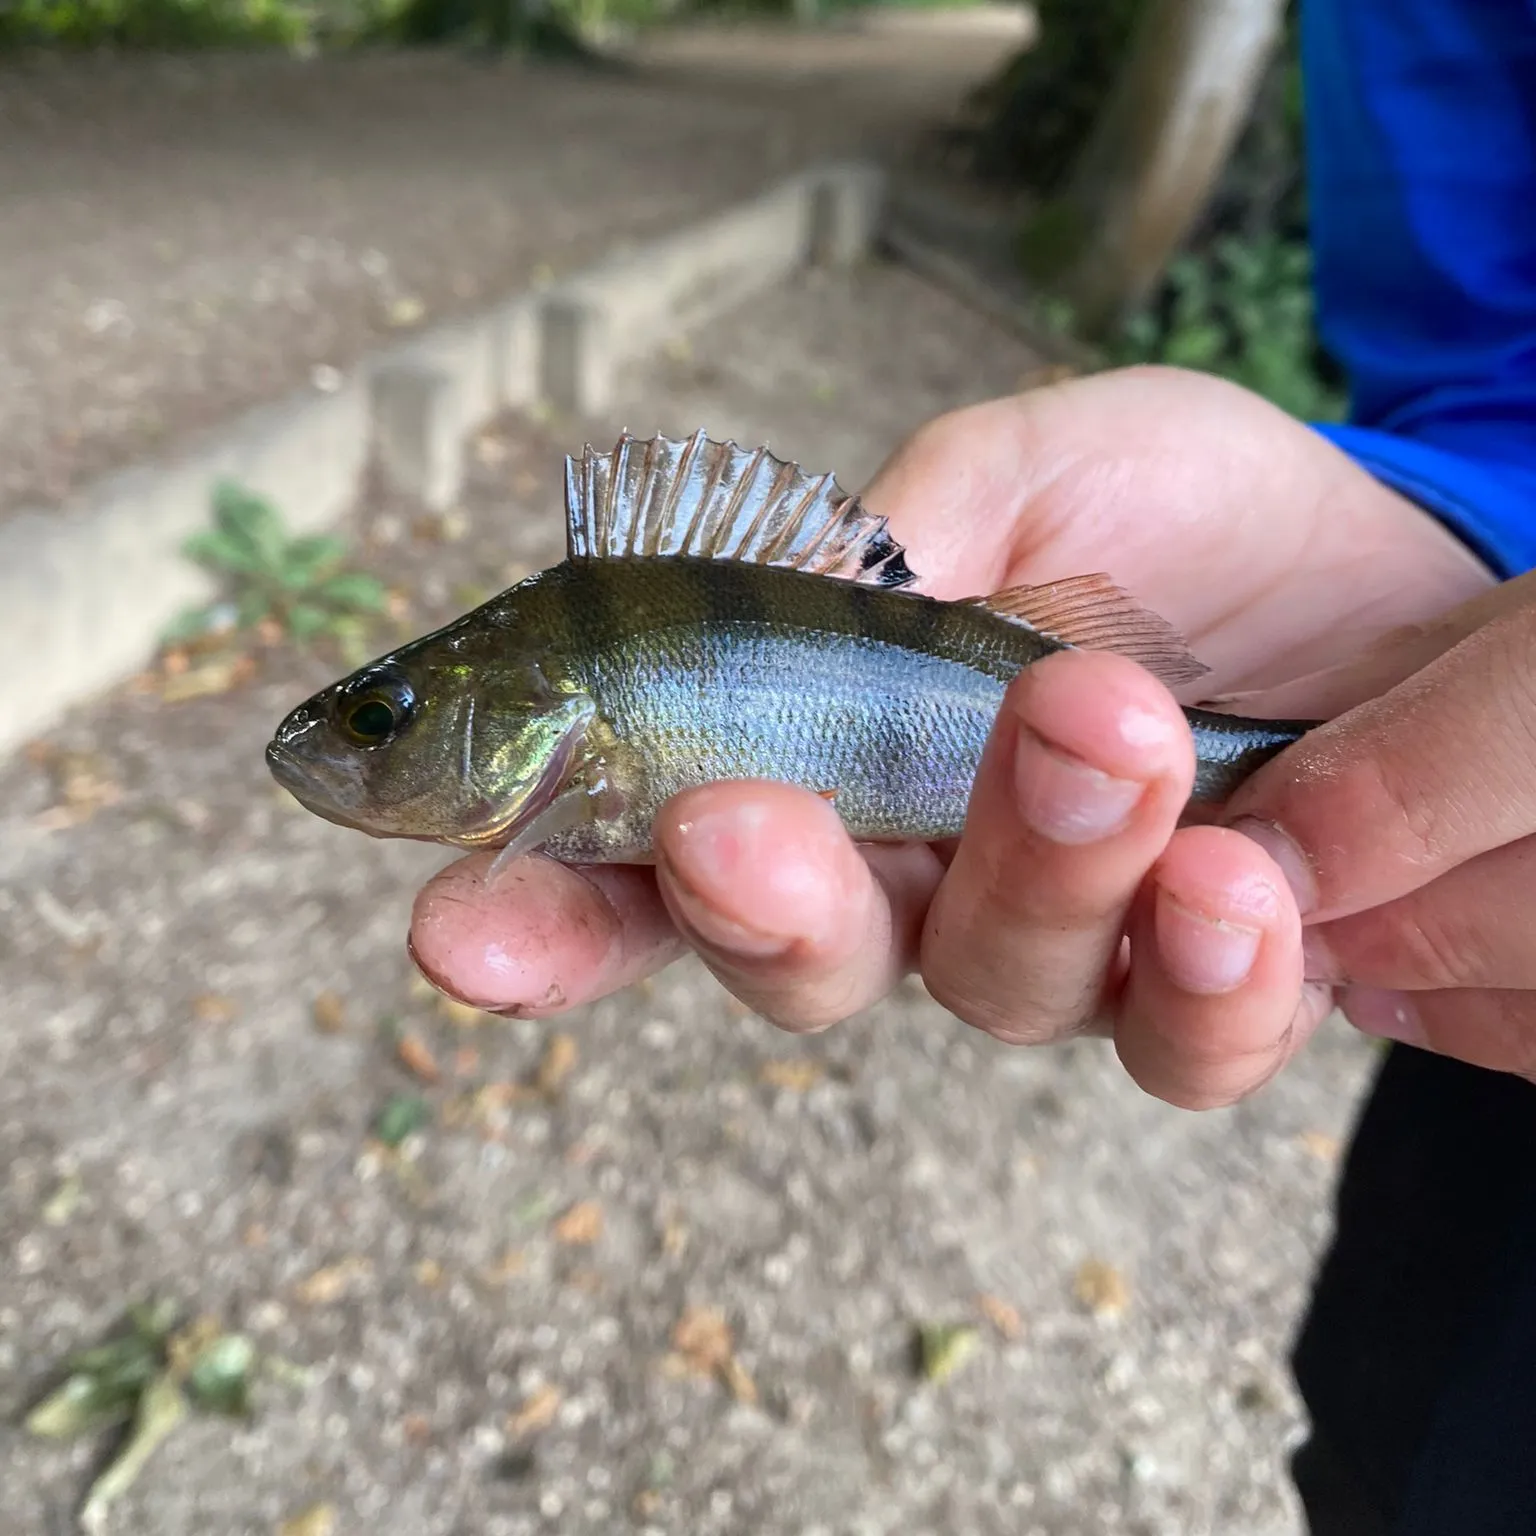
(1092, 613)
(716, 501)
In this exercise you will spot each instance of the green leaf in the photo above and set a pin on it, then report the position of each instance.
(305, 559)
(304, 621)
(80, 1407)
(945, 1348)
(220, 1378)
(353, 589)
(161, 1410)
(252, 522)
(221, 552)
(400, 1116)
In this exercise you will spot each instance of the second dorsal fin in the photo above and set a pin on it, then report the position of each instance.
(1092, 613)
(716, 501)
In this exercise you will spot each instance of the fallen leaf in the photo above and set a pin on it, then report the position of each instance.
(1323, 1147)
(560, 1057)
(330, 1014)
(646, 1503)
(466, 1061)
(254, 1236)
(538, 1412)
(212, 1008)
(332, 1282)
(317, 1520)
(83, 785)
(797, 1076)
(217, 676)
(1001, 1315)
(944, 1347)
(417, 1058)
(429, 1273)
(63, 1202)
(674, 1237)
(416, 1428)
(739, 1381)
(1102, 1289)
(511, 1264)
(702, 1337)
(581, 1225)
(402, 1115)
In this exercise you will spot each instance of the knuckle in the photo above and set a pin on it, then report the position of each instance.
(1001, 1011)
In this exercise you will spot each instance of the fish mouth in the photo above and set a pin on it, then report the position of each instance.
(322, 795)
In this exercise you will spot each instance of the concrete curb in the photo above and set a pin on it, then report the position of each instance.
(86, 590)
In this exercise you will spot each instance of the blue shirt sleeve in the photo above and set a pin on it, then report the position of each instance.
(1421, 149)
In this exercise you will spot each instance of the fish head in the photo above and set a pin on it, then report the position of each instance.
(454, 739)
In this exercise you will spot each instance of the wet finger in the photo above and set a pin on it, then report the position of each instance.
(1214, 1002)
(1078, 792)
(541, 938)
(793, 918)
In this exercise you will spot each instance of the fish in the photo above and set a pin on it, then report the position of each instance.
(720, 614)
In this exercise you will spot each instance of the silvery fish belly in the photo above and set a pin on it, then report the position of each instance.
(720, 614)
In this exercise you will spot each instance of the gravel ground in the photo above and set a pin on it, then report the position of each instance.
(478, 1370)
(182, 238)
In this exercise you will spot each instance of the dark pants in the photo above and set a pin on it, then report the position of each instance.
(1417, 1359)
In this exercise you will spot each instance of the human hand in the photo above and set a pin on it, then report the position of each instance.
(1407, 831)
(1270, 550)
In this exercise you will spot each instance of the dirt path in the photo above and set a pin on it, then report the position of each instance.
(476, 1375)
(181, 238)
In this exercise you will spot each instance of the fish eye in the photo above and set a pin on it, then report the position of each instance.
(373, 716)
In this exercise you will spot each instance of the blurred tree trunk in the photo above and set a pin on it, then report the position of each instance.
(1158, 145)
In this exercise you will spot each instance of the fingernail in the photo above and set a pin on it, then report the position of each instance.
(1385, 1014)
(1292, 861)
(1065, 799)
(1204, 955)
(714, 859)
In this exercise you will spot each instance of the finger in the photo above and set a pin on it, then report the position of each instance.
(543, 937)
(1078, 792)
(1486, 1028)
(791, 916)
(1383, 800)
(1214, 1004)
(1469, 928)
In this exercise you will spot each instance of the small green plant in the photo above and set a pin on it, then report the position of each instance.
(273, 578)
(1243, 311)
(145, 1382)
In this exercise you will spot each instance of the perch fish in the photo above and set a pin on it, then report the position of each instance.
(720, 614)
